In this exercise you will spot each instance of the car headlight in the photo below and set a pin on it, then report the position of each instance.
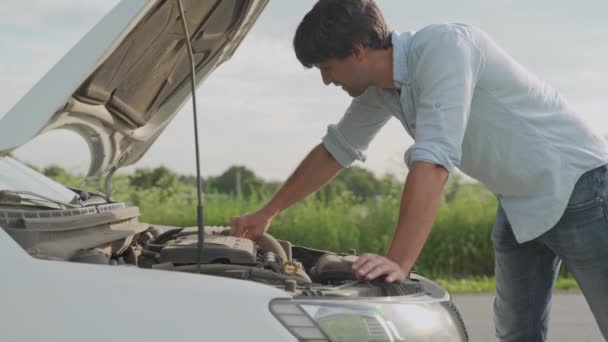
(315, 320)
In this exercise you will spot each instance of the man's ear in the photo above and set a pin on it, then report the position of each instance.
(359, 52)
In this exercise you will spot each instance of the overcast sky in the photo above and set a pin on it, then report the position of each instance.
(264, 110)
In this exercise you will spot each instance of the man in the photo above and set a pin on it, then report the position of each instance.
(467, 104)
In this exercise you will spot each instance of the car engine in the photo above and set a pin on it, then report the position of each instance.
(110, 233)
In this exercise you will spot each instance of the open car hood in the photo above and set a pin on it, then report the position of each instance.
(126, 79)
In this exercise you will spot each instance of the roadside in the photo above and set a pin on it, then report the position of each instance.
(571, 319)
(488, 284)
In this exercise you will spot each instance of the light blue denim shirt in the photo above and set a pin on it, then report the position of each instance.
(468, 104)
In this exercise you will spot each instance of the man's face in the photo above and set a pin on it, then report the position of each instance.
(348, 73)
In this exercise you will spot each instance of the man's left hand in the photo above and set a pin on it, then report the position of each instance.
(370, 266)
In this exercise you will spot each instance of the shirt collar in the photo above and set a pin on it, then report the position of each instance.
(401, 46)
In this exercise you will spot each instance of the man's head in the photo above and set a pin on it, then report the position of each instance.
(336, 36)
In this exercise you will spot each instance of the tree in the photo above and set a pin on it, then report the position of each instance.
(390, 185)
(54, 171)
(160, 177)
(237, 180)
(361, 182)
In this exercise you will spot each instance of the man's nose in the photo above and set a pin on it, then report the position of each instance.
(325, 78)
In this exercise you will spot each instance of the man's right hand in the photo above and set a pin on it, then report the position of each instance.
(318, 168)
(251, 225)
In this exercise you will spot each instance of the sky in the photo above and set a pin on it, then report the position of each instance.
(262, 109)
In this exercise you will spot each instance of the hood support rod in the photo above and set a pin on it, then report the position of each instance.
(199, 190)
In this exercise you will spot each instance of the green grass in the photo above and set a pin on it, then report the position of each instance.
(488, 284)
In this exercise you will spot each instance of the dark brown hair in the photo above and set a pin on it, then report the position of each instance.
(333, 27)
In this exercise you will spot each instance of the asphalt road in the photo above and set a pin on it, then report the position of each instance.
(571, 319)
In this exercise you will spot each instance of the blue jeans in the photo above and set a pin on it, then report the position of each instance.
(526, 273)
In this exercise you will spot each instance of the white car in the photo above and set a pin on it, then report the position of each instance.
(78, 266)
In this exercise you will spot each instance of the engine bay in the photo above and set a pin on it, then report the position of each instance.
(300, 270)
(111, 234)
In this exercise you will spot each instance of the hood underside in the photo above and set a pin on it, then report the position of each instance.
(122, 84)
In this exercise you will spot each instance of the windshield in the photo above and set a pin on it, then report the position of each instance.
(14, 176)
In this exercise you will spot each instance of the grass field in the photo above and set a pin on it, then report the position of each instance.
(488, 284)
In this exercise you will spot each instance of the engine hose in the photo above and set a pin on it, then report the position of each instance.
(267, 243)
(270, 261)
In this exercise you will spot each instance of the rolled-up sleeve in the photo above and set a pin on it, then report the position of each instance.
(347, 140)
(445, 65)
